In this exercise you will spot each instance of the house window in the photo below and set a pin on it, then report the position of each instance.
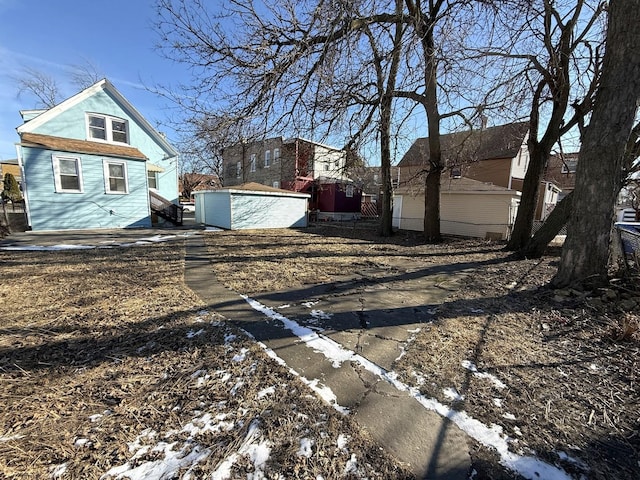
(349, 191)
(115, 177)
(276, 154)
(152, 179)
(569, 166)
(109, 129)
(68, 174)
(267, 158)
(238, 169)
(326, 167)
(253, 162)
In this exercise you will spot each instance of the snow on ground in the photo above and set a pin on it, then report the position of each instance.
(105, 244)
(174, 458)
(492, 436)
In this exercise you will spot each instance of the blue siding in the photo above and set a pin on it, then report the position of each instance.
(93, 208)
(71, 123)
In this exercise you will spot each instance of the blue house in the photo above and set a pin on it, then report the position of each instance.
(93, 161)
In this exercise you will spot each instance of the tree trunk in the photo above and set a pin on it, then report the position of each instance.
(558, 217)
(386, 106)
(6, 216)
(432, 207)
(523, 225)
(600, 171)
(386, 227)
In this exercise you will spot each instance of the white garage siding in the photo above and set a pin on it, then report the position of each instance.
(476, 215)
(240, 209)
(483, 214)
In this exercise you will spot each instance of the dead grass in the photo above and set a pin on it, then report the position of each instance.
(100, 349)
(569, 359)
(105, 351)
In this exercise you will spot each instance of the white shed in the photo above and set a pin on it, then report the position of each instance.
(468, 208)
(251, 206)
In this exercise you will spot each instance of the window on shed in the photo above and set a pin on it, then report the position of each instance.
(68, 174)
(267, 158)
(107, 128)
(115, 175)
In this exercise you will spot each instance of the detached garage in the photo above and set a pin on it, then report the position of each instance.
(251, 206)
(468, 208)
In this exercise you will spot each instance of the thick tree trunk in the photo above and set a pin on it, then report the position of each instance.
(601, 168)
(386, 107)
(432, 207)
(523, 225)
(386, 227)
(558, 217)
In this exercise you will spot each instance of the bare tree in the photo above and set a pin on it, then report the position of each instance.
(280, 65)
(563, 74)
(85, 74)
(605, 152)
(40, 85)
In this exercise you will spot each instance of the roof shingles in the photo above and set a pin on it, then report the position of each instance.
(503, 141)
(79, 146)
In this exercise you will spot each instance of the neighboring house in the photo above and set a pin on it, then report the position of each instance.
(195, 182)
(497, 155)
(93, 161)
(495, 159)
(561, 170)
(468, 208)
(279, 162)
(12, 167)
(297, 165)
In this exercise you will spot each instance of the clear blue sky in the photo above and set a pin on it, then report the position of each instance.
(51, 35)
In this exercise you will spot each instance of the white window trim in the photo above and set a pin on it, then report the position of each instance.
(253, 162)
(56, 173)
(108, 128)
(267, 158)
(107, 186)
(349, 191)
(276, 154)
(155, 174)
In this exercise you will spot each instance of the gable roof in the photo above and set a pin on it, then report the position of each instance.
(80, 146)
(107, 86)
(503, 141)
(458, 185)
(256, 187)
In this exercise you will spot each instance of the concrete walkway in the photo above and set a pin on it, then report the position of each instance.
(375, 320)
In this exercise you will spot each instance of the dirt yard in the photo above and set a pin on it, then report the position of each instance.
(108, 362)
